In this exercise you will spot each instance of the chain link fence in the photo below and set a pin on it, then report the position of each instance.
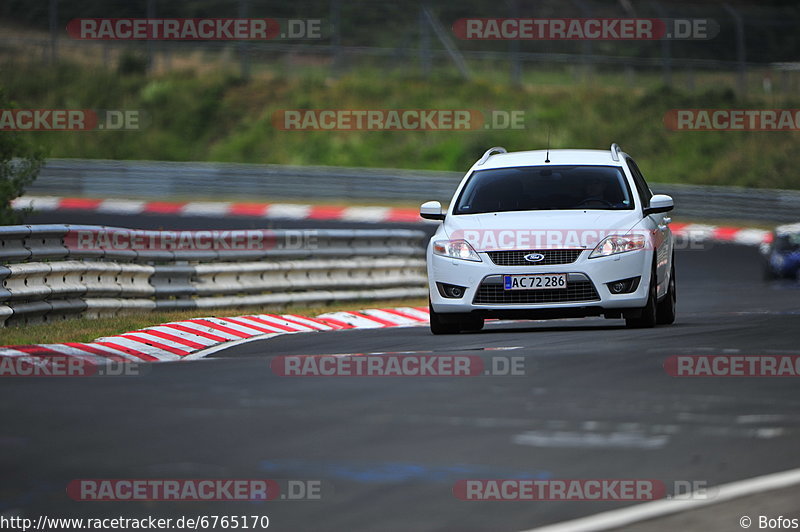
(755, 48)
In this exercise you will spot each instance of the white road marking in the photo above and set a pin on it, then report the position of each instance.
(356, 321)
(196, 338)
(650, 510)
(591, 440)
(760, 418)
(206, 208)
(8, 352)
(208, 329)
(288, 210)
(76, 352)
(750, 237)
(365, 214)
(303, 320)
(140, 346)
(283, 322)
(39, 203)
(121, 206)
(422, 315)
(222, 322)
(112, 351)
(388, 316)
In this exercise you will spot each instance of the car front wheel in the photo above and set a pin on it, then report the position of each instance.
(453, 324)
(439, 326)
(665, 312)
(647, 318)
(471, 324)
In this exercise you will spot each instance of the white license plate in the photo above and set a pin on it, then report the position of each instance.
(538, 281)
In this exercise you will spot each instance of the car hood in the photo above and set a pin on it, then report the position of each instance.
(539, 229)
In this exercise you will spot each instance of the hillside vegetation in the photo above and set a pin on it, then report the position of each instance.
(219, 117)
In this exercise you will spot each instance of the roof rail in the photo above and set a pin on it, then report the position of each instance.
(615, 151)
(490, 152)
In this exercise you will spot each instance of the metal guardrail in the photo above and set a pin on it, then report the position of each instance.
(737, 203)
(155, 179)
(47, 275)
(148, 179)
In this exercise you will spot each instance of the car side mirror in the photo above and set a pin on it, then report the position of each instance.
(659, 203)
(431, 210)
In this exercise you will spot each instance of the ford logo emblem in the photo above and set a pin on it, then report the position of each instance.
(534, 257)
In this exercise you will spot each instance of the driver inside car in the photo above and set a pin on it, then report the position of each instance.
(595, 194)
(595, 191)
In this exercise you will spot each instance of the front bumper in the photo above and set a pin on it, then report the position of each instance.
(587, 292)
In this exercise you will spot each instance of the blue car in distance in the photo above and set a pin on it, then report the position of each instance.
(782, 253)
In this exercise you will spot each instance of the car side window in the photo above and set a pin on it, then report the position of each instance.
(641, 185)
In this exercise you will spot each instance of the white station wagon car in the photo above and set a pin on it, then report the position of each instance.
(551, 234)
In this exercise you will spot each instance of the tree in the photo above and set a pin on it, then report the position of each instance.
(20, 161)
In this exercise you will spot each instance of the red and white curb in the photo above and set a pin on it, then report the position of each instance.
(290, 211)
(294, 211)
(199, 337)
(736, 235)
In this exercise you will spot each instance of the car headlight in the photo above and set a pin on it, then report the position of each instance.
(455, 249)
(618, 244)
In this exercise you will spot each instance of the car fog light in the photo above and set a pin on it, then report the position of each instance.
(451, 291)
(623, 286)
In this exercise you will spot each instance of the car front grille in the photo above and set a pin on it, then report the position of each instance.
(576, 291)
(551, 256)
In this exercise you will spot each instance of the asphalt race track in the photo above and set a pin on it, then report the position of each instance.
(595, 402)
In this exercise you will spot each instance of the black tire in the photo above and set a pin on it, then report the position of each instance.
(769, 274)
(440, 327)
(648, 316)
(665, 310)
(471, 324)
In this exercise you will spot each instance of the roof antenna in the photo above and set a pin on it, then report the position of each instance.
(547, 157)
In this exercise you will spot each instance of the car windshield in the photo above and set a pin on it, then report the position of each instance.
(788, 242)
(535, 188)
